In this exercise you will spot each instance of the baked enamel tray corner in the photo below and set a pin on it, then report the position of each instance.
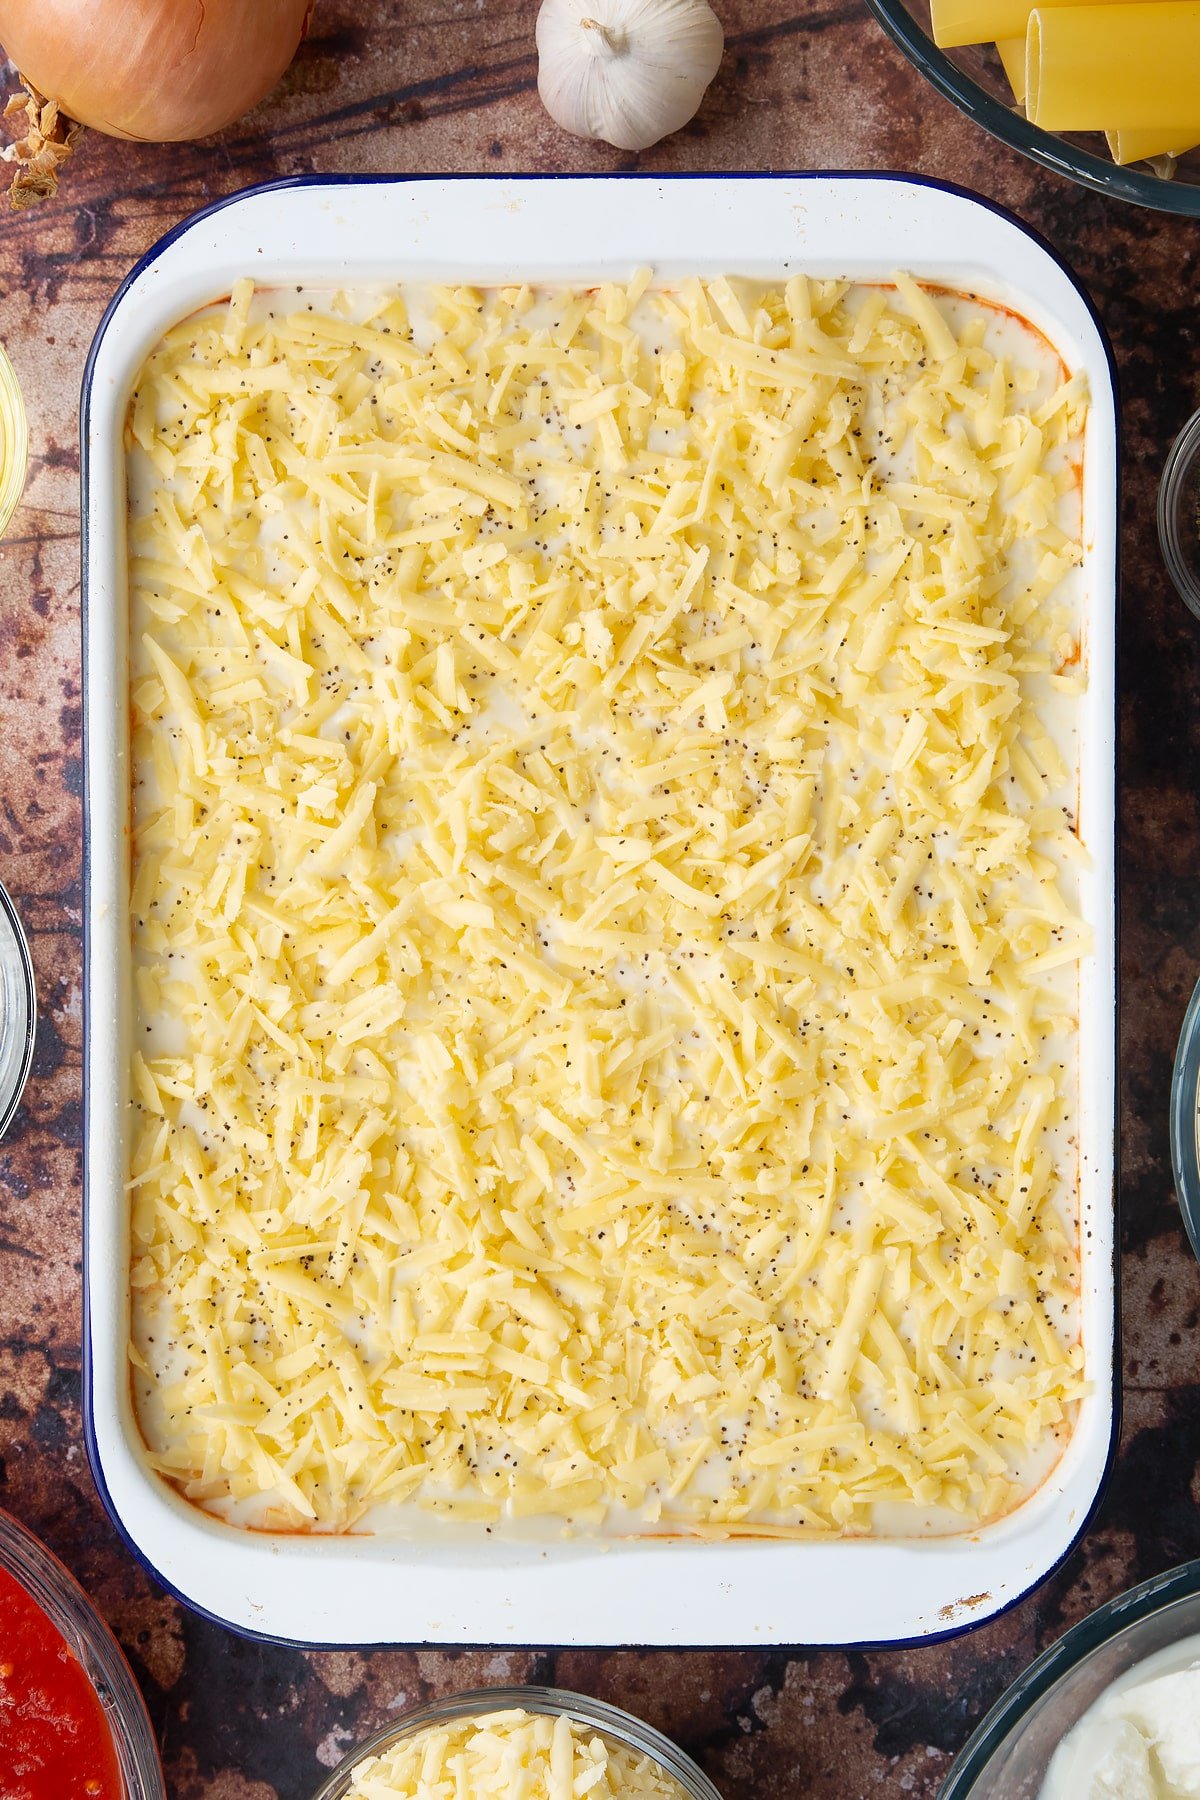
(380, 1590)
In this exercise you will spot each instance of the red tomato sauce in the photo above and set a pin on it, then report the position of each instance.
(55, 1743)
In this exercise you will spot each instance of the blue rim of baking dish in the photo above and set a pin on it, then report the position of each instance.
(1185, 1121)
(1071, 1649)
(1012, 128)
(327, 181)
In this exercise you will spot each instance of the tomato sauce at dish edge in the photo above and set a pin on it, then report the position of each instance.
(55, 1742)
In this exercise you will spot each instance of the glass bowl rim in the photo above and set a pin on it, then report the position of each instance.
(1078, 1642)
(50, 1584)
(1044, 147)
(1185, 1092)
(13, 486)
(26, 1023)
(612, 1721)
(1181, 459)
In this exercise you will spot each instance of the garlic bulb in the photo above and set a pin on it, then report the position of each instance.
(627, 71)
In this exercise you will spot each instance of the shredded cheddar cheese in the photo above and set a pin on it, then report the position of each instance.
(505, 1754)
(601, 906)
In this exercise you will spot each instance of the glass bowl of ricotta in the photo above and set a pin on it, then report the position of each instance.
(1112, 1709)
(517, 1740)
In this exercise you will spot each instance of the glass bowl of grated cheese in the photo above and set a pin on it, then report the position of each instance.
(1179, 514)
(490, 1743)
(1185, 1120)
(18, 1010)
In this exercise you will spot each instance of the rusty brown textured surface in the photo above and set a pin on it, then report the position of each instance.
(379, 87)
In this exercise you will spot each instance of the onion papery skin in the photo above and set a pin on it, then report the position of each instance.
(160, 71)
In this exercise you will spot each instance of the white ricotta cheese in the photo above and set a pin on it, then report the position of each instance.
(1140, 1740)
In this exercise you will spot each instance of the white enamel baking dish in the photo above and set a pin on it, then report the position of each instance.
(371, 1590)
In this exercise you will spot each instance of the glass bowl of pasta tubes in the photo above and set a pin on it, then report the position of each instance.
(529, 1740)
(1106, 95)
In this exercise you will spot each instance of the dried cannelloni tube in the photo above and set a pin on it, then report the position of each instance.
(1131, 66)
(1077, 59)
(1012, 55)
(1139, 146)
(957, 22)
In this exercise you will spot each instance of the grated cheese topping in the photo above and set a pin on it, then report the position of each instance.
(602, 907)
(502, 1755)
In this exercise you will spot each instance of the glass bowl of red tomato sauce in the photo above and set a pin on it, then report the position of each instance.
(73, 1724)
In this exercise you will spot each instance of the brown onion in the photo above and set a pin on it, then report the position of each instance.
(157, 70)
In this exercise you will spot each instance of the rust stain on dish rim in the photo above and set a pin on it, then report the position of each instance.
(970, 1604)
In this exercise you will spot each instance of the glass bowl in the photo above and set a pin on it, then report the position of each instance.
(14, 441)
(1009, 1754)
(18, 1010)
(974, 79)
(609, 1721)
(1179, 514)
(73, 1616)
(1185, 1120)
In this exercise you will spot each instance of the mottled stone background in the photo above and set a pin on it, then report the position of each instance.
(383, 86)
